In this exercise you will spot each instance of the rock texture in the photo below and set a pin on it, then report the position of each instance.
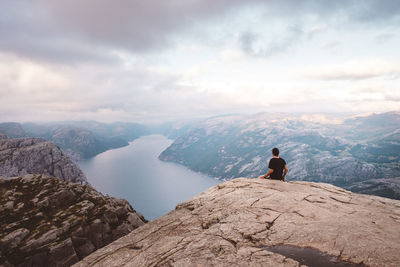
(234, 223)
(20, 156)
(50, 222)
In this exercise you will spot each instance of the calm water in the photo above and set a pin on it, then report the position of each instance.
(134, 172)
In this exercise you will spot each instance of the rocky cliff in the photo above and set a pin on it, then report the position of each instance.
(46, 221)
(20, 156)
(252, 222)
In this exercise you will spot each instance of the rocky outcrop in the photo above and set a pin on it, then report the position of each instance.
(20, 156)
(252, 222)
(50, 222)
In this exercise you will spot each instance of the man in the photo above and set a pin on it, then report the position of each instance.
(276, 167)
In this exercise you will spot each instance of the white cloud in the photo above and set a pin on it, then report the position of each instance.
(315, 30)
(354, 70)
(232, 56)
(331, 44)
(159, 60)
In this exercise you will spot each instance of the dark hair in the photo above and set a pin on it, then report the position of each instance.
(275, 151)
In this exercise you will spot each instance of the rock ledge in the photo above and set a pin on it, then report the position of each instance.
(231, 224)
(46, 221)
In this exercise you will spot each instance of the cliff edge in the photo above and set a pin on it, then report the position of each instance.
(46, 221)
(21, 156)
(252, 222)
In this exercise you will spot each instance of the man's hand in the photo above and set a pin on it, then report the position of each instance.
(267, 175)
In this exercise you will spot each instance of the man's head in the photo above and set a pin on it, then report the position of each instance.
(275, 152)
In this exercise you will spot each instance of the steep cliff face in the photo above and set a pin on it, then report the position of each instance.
(46, 221)
(20, 156)
(252, 222)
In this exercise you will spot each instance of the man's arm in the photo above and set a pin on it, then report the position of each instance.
(285, 172)
(266, 175)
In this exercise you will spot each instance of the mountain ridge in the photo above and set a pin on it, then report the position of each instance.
(357, 149)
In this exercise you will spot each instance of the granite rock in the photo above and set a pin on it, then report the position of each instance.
(59, 222)
(20, 156)
(236, 222)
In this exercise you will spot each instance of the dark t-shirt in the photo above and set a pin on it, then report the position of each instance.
(278, 165)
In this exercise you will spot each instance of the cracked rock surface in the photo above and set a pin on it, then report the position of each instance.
(231, 224)
(20, 156)
(45, 221)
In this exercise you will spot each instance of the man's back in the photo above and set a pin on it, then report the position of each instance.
(277, 164)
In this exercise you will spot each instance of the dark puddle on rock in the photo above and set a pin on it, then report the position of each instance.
(310, 256)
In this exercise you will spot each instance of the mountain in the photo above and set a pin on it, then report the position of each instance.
(81, 139)
(85, 139)
(83, 143)
(253, 222)
(332, 151)
(78, 142)
(20, 156)
(172, 130)
(380, 187)
(45, 221)
(12, 129)
(126, 131)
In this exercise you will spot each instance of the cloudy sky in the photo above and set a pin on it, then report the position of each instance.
(158, 60)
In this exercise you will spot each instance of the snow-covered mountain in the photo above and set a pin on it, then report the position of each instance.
(316, 148)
